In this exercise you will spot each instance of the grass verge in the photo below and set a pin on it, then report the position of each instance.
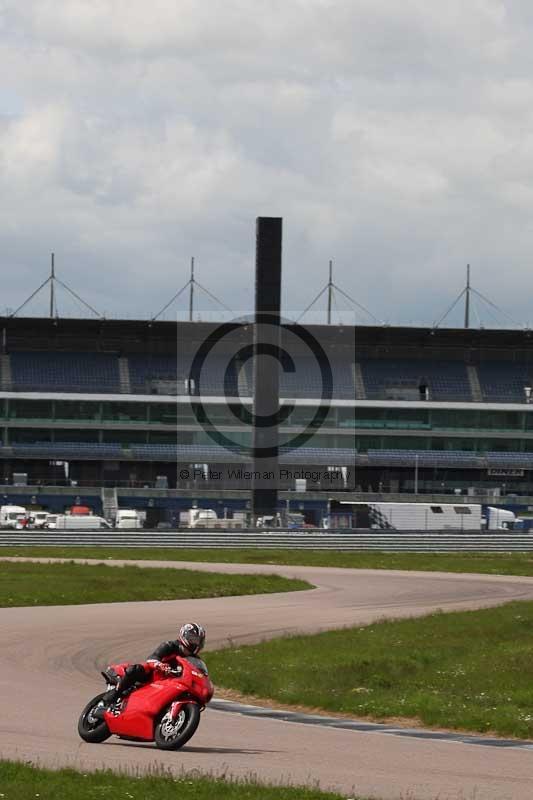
(20, 782)
(486, 563)
(31, 584)
(470, 671)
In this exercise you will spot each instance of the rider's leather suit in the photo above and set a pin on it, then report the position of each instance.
(165, 653)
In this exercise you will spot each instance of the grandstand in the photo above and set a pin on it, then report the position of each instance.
(92, 404)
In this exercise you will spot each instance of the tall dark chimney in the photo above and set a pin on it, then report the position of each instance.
(266, 365)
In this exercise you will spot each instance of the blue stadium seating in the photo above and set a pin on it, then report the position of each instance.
(446, 380)
(504, 381)
(382, 378)
(217, 454)
(425, 458)
(306, 380)
(66, 372)
(68, 450)
(150, 374)
(145, 369)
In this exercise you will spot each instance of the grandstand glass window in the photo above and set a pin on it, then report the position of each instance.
(124, 412)
(411, 417)
(170, 437)
(124, 437)
(168, 413)
(454, 419)
(346, 417)
(528, 421)
(404, 443)
(501, 420)
(76, 409)
(30, 409)
(364, 443)
(30, 435)
(453, 443)
(220, 414)
(75, 435)
(303, 416)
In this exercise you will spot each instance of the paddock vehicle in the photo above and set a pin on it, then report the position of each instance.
(12, 516)
(166, 711)
(496, 519)
(411, 516)
(128, 519)
(37, 519)
(75, 522)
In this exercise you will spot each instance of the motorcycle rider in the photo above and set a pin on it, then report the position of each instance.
(189, 642)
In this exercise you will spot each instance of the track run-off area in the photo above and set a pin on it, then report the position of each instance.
(50, 659)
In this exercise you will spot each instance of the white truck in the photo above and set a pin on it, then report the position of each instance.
(497, 519)
(198, 518)
(128, 519)
(12, 516)
(415, 516)
(80, 522)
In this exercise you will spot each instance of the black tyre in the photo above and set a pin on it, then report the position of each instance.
(90, 728)
(173, 735)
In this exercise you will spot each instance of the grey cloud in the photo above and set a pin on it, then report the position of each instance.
(393, 138)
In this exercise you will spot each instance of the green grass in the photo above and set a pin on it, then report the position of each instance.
(20, 782)
(463, 670)
(488, 563)
(32, 584)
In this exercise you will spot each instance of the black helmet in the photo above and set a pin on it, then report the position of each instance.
(191, 636)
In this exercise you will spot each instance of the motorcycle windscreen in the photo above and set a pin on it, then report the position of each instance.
(197, 663)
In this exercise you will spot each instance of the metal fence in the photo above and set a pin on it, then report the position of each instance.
(392, 541)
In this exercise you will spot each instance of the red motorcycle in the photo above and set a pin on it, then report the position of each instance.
(165, 711)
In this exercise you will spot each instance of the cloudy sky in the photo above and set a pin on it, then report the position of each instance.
(395, 138)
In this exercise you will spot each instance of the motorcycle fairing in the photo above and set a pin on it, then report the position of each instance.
(142, 708)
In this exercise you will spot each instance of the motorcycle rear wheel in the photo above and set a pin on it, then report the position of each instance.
(93, 732)
(172, 736)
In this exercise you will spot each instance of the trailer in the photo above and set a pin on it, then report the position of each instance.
(407, 516)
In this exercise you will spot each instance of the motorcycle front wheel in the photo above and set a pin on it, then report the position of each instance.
(90, 728)
(172, 734)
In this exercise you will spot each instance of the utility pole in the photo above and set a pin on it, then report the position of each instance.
(52, 279)
(191, 291)
(330, 290)
(467, 297)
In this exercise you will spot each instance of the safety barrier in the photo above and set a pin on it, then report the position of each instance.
(391, 541)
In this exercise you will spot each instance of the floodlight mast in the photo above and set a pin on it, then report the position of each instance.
(469, 292)
(191, 292)
(330, 291)
(331, 288)
(467, 297)
(191, 283)
(52, 278)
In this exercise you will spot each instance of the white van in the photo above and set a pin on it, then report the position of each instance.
(12, 516)
(128, 519)
(75, 522)
(38, 518)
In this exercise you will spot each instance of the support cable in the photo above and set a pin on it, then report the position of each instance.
(80, 299)
(25, 303)
(449, 311)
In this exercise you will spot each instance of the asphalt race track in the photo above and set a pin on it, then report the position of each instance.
(50, 660)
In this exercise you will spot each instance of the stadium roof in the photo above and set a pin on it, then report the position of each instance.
(129, 336)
